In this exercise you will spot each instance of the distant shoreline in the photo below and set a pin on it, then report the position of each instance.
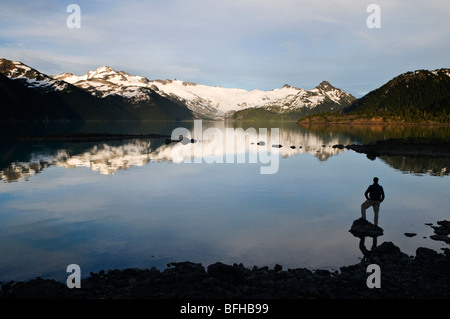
(431, 147)
(87, 137)
(351, 119)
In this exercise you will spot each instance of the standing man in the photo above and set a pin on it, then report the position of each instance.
(374, 196)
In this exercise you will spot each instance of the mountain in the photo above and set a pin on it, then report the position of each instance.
(212, 102)
(29, 95)
(107, 94)
(299, 102)
(418, 95)
(219, 103)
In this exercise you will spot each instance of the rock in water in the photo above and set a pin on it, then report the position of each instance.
(363, 228)
(410, 234)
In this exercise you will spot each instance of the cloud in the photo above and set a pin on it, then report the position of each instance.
(247, 43)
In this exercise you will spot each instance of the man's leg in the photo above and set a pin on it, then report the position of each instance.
(376, 209)
(364, 206)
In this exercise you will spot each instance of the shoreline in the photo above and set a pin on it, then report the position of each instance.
(423, 276)
(351, 119)
(431, 147)
(87, 137)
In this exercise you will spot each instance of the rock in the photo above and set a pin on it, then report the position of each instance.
(444, 223)
(188, 267)
(443, 238)
(388, 248)
(427, 254)
(339, 146)
(439, 230)
(410, 234)
(235, 273)
(363, 228)
(261, 143)
(278, 267)
(185, 140)
(292, 147)
(277, 145)
(388, 253)
(442, 231)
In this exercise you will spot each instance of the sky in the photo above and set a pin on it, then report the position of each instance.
(248, 44)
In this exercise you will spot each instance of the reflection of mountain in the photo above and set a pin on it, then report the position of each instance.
(22, 170)
(20, 160)
(104, 158)
(420, 165)
(29, 159)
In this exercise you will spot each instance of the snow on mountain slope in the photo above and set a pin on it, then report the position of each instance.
(205, 101)
(217, 102)
(33, 78)
(106, 81)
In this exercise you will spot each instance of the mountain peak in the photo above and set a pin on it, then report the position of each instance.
(101, 72)
(33, 78)
(325, 86)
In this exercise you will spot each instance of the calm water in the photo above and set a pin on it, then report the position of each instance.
(143, 203)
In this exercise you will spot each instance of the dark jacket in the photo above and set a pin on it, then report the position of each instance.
(375, 192)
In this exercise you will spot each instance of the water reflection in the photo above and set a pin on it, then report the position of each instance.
(419, 165)
(367, 133)
(27, 159)
(159, 212)
(363, 229)
(21, 160)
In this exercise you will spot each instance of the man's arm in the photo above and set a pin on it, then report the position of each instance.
(366, 194)
(382, 195)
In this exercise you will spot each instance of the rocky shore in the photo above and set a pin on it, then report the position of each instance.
(423, 276)
(430, 147)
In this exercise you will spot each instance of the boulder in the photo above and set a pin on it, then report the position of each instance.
(410, 234)
(363, 228)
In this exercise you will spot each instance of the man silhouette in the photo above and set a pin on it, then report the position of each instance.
(374, 196)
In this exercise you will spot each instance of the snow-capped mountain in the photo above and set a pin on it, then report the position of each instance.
(30, 77)
(218, 102)
(106, 81)
(189, 99)
(212, 102)
(102, 95)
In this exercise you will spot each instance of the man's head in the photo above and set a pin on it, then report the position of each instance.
(375, 179)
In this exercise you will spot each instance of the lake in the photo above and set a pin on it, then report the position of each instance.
(232, 194)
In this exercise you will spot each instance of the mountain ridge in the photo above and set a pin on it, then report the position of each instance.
(210, 102)
(29, 95)
(420, 96)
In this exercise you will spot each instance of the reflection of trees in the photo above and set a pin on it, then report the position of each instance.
(20, 160)
(367, 133)
(436, 166)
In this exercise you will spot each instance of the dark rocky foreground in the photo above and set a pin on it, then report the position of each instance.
(423, 276)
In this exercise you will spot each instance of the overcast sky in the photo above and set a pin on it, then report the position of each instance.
(250, 44)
